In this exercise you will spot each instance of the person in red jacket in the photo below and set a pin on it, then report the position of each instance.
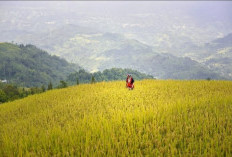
(130, 82)
(127, 80)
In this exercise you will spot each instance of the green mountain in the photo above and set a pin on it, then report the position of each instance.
(107, 75)
(170, 67)
(26, 65)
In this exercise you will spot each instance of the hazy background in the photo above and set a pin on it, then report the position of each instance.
(181, 40)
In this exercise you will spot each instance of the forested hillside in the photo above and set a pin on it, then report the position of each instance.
(26, 65)
(83, 76)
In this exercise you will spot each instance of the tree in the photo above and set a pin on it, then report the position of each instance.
(23, 92)
(50, 86)
(77, 81)
(35, 90)
(93, 79)
(63, 84)
(3, 97)
(43, 88)
(11, 92)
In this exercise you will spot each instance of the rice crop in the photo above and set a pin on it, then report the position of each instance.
(157, 118)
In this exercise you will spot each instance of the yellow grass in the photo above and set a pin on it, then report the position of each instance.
(157, 118)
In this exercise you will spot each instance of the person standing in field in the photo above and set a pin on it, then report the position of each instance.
(130, 82)
(127, 80)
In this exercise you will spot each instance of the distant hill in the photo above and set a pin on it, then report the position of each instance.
(220, 47)
(217, 55)
(125, 38)
(167, 66)
(107, 75)
(26, 65)
(97, 51)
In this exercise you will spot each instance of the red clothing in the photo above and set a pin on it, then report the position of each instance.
(129, 82)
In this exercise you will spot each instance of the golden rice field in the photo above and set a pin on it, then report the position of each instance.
(158, 118)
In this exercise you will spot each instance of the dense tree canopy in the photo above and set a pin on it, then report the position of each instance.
(107, 75)
(26, 65)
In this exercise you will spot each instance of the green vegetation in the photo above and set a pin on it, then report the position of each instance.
(9, 92)
(78, 81)
(26, 65)
(168, 66)
(62, 84)
(83, 76)
(158, 118)
(93, 79)
(50, 86)
(3, 96)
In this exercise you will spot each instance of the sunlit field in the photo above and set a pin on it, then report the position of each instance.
(157, 118)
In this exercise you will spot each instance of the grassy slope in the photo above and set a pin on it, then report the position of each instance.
(157, 118)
